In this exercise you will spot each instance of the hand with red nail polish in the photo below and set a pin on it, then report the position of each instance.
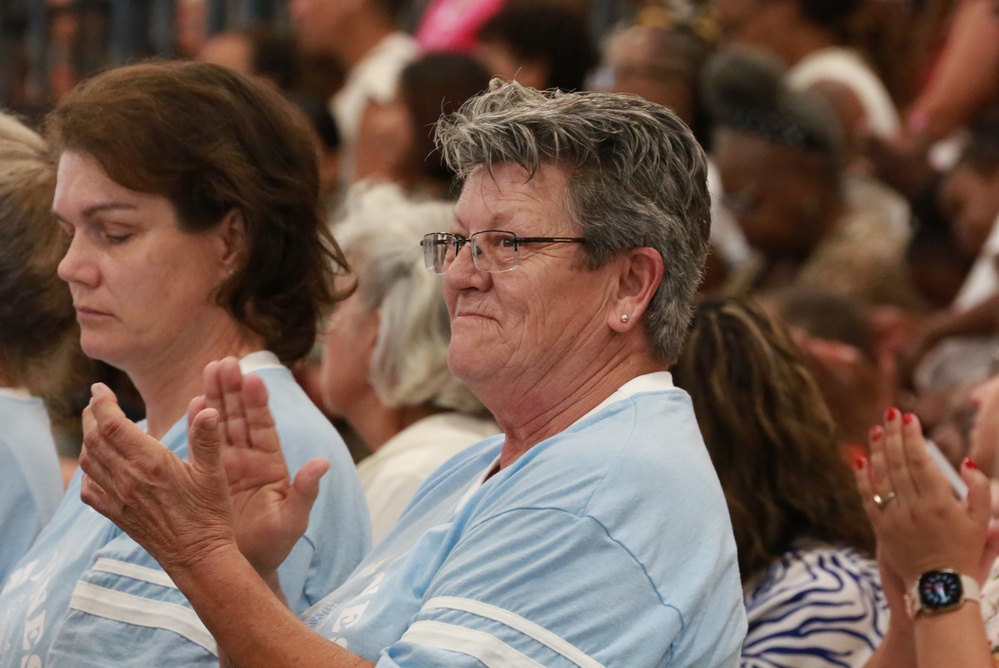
(922, 526)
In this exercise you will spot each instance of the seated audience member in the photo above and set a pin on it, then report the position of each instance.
(274, 59)
(593, 529)
(779, 153)
(363, 35)
(396, 142)
(36, 340)
(538, 45)
(385, 359)
(958, 90)
(660, 57)
(810, 38)
(934, 549)
(805, 550)
(849, 365)
(188, 197)
(955, 345)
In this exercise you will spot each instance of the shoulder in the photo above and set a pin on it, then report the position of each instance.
(28, 456)
(826, 570)
(636, 452)
(816, 601)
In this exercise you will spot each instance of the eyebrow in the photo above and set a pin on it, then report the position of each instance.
(495, 220)
(100, 208)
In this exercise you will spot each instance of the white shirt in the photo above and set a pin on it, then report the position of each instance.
(396, 470)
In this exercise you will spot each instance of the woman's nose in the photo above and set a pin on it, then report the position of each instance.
(75, 267)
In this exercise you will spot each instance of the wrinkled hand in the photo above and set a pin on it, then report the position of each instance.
(178, 511)
(925, 527)
(270, 512)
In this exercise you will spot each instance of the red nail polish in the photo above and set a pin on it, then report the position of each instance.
(967, 463)
(907, 418)
(859, 462)
(891, 414)
(875, 432)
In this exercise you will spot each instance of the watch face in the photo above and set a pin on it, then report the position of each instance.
(940, 589)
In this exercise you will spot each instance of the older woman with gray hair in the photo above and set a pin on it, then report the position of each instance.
(593, 530)
(384, 366)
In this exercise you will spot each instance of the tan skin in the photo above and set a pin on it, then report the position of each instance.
(205, 531)
(143, 288)
(925, 528)
(349, 345)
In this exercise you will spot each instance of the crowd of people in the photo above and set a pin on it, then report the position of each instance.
(714, 384)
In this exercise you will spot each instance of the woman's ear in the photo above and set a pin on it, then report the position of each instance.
(232, 232)
(641, 272)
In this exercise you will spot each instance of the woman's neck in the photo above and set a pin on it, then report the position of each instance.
(168, 383)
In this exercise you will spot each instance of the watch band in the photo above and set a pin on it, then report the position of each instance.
(970, 591)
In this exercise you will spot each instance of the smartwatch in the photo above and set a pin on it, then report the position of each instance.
(940, 591)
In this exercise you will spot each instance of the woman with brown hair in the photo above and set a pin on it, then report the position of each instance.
(812, 592)
(188, 195)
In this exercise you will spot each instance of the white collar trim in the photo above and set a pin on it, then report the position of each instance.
(16, 393)
(258, 361)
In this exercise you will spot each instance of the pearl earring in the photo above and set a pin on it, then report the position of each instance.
(624, 317)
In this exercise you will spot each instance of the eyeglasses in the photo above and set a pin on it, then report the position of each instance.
(492, 250)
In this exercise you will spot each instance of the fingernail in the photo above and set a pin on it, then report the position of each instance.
(891, 414)
(859, 462)
(876, 432)
(967, 463)
(211, 423)
(907, 418)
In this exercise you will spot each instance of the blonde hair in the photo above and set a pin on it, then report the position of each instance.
(37, 321)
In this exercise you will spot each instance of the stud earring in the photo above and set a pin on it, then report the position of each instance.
(624, 317)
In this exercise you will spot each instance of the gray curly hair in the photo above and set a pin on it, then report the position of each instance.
(638, 178)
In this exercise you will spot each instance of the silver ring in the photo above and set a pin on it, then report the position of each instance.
(882, 501)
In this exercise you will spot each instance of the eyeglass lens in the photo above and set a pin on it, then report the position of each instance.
(492, 250)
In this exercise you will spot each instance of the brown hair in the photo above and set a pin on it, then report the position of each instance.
(37, 321)
(213, 141)
(770, 436)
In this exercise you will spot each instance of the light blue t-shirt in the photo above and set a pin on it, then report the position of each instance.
(607, 544)
(30, 478)
(87, 595)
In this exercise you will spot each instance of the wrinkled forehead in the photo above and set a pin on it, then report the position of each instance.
(509, 197)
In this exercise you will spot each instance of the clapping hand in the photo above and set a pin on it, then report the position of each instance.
(234, 487)
(920, 524)
(270, 512)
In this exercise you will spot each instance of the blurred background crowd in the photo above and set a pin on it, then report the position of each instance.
(853, 149)
(852, 144)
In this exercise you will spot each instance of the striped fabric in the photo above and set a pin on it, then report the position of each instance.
(815, 607)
